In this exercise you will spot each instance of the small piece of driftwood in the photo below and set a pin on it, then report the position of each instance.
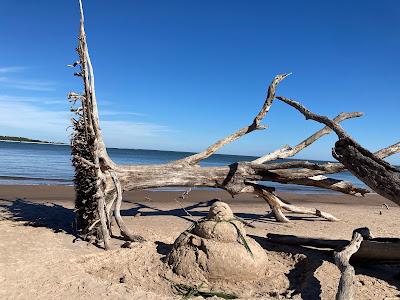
(375, 250)
(342, 260)
(362, 248)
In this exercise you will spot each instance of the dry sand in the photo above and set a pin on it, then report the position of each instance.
(40, 257)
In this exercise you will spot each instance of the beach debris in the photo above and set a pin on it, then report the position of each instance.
(185, 194)
(187, 291)
(217, 247)
(363, 248)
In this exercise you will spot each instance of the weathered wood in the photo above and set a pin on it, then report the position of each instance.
(379, 175)
(376, 250)
(363, 248)
(255, 125)
(370, 168)
(306, 241)
(277, 205)
(288, 151)
(100, 182)
(342, 259)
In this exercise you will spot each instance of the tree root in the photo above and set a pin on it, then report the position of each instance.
(125, 232)
(277, 205)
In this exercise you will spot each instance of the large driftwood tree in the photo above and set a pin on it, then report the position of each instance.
(100, 182)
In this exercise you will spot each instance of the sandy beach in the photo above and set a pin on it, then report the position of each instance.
(41, 257)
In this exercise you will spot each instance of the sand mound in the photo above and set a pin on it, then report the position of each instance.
(218, 248)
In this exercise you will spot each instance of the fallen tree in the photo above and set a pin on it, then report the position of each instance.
(99, 182)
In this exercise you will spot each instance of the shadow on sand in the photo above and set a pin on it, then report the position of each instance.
(182, 212)
(52, 216)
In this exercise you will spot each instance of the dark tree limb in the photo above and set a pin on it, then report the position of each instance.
(379, 175)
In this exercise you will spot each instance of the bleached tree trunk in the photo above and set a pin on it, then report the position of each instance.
(99, 182)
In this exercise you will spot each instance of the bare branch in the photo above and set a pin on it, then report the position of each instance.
(321, 119)
(288, 151)
(378, 174)
(100, 182)
(274, 155)
(331, 168)
(331, 184)
(194, 159)
(388, 151)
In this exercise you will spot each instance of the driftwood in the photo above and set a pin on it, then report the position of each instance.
(372, 250)
(370, 168)
(362, 248)
(100, 183)
(373, 171)
(342, 259)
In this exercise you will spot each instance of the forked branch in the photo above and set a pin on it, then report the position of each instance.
(379, 175)
(255, 125)
(288, 151)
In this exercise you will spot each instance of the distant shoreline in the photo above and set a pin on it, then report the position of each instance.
(32, 142)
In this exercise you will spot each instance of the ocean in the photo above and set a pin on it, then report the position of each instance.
(48, 164)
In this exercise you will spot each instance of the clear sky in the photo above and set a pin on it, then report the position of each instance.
(178, 75)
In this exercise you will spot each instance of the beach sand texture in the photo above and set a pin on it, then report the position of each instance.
(40, 258)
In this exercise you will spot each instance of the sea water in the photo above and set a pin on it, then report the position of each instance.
(49, 164)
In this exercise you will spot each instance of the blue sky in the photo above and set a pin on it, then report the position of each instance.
(178, 75)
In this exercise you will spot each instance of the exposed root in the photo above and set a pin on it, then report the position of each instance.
(277, 205)
(104, 228)
(125, 232)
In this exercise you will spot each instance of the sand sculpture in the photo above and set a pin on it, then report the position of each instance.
(217, 247)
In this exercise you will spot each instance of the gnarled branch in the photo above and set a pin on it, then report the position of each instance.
(288, 151)
(194, 159)
(379, 175)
